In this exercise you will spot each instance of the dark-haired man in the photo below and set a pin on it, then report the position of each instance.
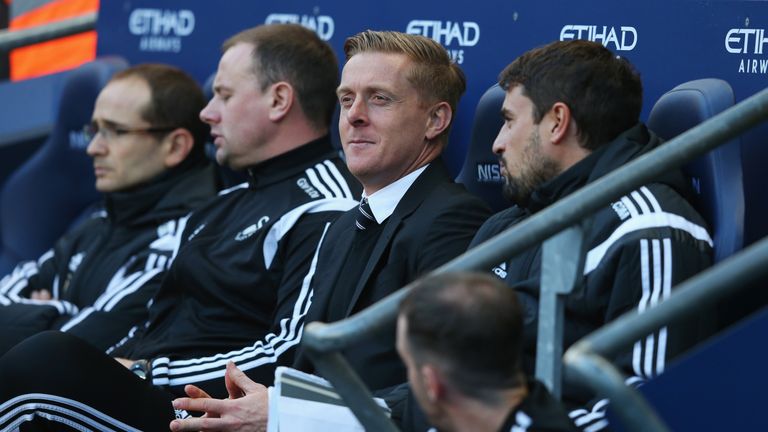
(460, 336)
(238, 289)
(571, 115)
(146, 141)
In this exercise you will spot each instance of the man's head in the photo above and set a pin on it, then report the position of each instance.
(273, 82)
(398, 97)
(563, 100)
(460, 334)
(145, 122)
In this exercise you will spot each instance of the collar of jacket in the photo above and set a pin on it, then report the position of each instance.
(170, 195)
(631, 144)
(290, 163)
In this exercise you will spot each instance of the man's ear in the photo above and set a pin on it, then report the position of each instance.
(433, 382)
(559, 122)
(282, 100)
(178, 144)
(440, 116)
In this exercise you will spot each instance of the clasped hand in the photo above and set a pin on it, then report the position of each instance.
(244, 411)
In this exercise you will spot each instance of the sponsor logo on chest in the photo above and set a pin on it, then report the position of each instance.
(249, 231)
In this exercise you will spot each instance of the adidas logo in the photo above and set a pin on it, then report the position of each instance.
(500, 270)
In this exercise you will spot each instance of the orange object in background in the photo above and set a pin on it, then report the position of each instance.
(58, 54)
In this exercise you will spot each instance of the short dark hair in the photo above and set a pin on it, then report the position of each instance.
(471, 325)
(603, 91)
(176, 100)
(296, 55)
(434, 75)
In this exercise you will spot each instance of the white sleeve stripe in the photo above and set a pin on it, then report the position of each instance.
(666, 292)
(13, 283)
(645, 275)
(657, 272)
(640, 202)
(151, 261)
(339, 179)
(178, 234)
(77, 319)
(642, 222)
(63, 307)
(312, 176)
(45, 257)
(651, 198)
(116, 284)
(648, 359)
(16, 281)
(329, 181)
(582, 416)
(288, 220)
(25, 407)
(255, 355)
(646, 286)
(132, 288)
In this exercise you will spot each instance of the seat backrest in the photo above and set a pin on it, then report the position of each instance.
(716, 176)
(480, 173)
(40, 200)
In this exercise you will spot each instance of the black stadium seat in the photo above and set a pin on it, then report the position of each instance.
(480, 173)
(717, 176)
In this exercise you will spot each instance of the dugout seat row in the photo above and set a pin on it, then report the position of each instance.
(40, 200)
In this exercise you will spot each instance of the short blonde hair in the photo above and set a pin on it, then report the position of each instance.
(434, 75)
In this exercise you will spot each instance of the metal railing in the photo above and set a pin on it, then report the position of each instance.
(585, 361)
(10, 39)
(323, 341)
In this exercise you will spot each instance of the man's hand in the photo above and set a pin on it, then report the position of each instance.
(125, 362)
(244, 411)
(40, 295)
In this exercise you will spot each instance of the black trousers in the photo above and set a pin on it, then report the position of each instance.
(54, 381)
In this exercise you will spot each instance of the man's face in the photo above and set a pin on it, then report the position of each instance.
(518, 146)
(383, 121)
(124, 159)
(415, 377)
(238, 111)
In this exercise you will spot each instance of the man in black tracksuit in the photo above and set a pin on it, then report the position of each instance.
(97, 280)
(460, 336)
(238, 287)
(638, 248)
(571, 116)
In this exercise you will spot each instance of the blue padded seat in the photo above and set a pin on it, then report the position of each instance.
(42, 198)
(480, 173)
(716, 176)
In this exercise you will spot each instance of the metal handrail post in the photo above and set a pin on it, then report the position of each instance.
(10, 39)
(335, 368)
(562, 263)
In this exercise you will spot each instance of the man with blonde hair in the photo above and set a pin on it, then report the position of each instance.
(398, 97)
